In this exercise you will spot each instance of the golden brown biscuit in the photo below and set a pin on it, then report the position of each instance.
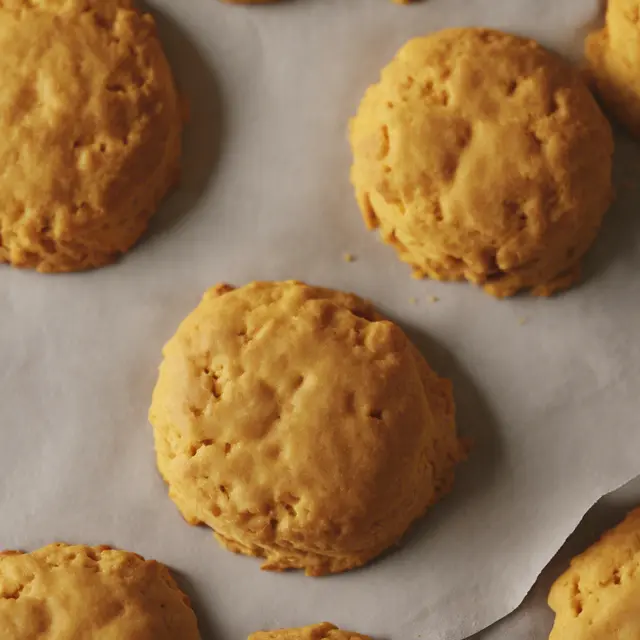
(90, 131)
(62, 592)
(300, 426)
(323, 631)
(481, 156)
(597, 597)
(613, 54)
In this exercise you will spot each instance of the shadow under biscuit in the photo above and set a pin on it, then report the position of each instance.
(207, 624)
(619, 236)
(204, 130)
(476, 422)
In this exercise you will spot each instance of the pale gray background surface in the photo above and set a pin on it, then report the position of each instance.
(533, 620)
(552, 404)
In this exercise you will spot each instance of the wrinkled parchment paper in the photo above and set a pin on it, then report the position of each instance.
(549, 389)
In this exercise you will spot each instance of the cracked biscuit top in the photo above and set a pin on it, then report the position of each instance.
(90, 593)
(90, 131)
(301, 426)
(322, 631)
(597, 597)
(481, 156)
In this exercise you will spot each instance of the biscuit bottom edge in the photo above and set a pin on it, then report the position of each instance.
(314, 565)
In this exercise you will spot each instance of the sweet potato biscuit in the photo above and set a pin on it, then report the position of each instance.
(93, 593)
(90, 131)
(613, 54)
(300, 426)
(481, 156)
(597, 597)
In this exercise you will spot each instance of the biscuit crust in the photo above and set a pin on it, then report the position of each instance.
(90, 131)
(613, 55)
(65, 591)
(300, 426)
(597, 597)
(481, 156)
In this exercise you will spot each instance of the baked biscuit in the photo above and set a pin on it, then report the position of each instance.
(90, 131)
(613, 54)
(63, 592)
(481, 156)
(597, 597)
(323, 631)
(300, 426)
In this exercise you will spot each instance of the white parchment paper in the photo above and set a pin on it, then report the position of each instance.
(549, 389)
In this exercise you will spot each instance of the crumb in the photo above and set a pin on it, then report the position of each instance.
(522, 321)
(434, 299)
(348, 257)
(413, 300)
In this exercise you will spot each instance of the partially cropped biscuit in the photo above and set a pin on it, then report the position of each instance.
(613, 54)
(301, 426)
(90, 131)
(481, 156)
(62, 592)
(323, 631)
(597, 597)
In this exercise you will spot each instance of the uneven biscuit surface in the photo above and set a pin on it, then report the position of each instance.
(613, 54)
(322, 631)
(97, 593)
(481, 156)
(300, 426)
(597, 597)
(90, 131)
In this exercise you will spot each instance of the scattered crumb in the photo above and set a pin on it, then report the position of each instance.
(413, 300)
(348, 257)
(522, 321)
(434, 299)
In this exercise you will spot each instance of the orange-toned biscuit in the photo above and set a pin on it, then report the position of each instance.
(301, 426)
(481, 156)
(597, 597)
(63, 591)
(90, 131)
(613, 54)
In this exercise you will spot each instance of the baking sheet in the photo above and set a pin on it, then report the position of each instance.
(547, 388)
(533, 620)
